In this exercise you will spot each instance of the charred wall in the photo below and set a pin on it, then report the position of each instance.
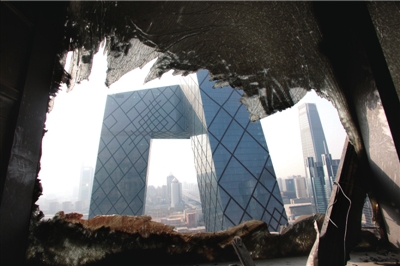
(31, 35)
(273, 51)
(362, 51)
(16, 43)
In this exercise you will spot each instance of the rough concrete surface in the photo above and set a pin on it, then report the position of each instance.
(115, 239)
(67, 239)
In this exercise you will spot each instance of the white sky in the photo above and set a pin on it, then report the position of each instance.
(75, 122)
(282, 132)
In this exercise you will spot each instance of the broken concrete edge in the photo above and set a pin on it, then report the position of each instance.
(68, 239)
(129, 46)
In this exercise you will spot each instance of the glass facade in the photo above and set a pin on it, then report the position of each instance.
(130, 120)
(311, 131)
(316, 185)
(321, 169)
(234, 170)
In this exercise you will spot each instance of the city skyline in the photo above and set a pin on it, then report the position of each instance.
(180, 208)
(80, 131)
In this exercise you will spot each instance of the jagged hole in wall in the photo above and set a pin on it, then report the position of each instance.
(70, 147)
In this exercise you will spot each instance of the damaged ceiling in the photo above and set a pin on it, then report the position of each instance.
(269, 50)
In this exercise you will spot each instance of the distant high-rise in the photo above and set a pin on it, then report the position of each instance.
(320, 168)
(312, 134)
(176, 193)
(301, 187)
(290, 185)
(191, 219)
(235, 175)
(169, 180)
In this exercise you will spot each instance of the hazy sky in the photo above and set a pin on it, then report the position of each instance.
(282, 133)
(75, 122)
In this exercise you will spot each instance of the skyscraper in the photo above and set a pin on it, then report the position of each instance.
(301, 187)
(234, 170)
(169, 180)
(290, 185)
(320, 168)
(176, 193)
(312, 134)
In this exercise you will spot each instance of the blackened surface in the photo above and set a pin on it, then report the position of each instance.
(16, 39)
(301, 231)
(382, 156)
(348, 45)
(16, 201)
(341, 229)
(386, 19)
(342, 45)
(383, 48)
(268, 49)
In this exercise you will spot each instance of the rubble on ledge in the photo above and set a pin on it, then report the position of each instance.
(67, 239)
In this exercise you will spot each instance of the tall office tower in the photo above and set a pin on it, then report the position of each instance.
(290, 185)
(169, 180)
(312, 134)
(301, 187)
(314, 147)
(191, 220)
(176, 193)
(235, 175)
(289, 191)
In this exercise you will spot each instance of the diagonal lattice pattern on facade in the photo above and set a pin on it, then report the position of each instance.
(234, 170)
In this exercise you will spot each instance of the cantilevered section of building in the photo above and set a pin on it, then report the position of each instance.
(234, 170)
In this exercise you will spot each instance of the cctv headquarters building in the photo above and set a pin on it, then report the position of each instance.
(235, 175)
